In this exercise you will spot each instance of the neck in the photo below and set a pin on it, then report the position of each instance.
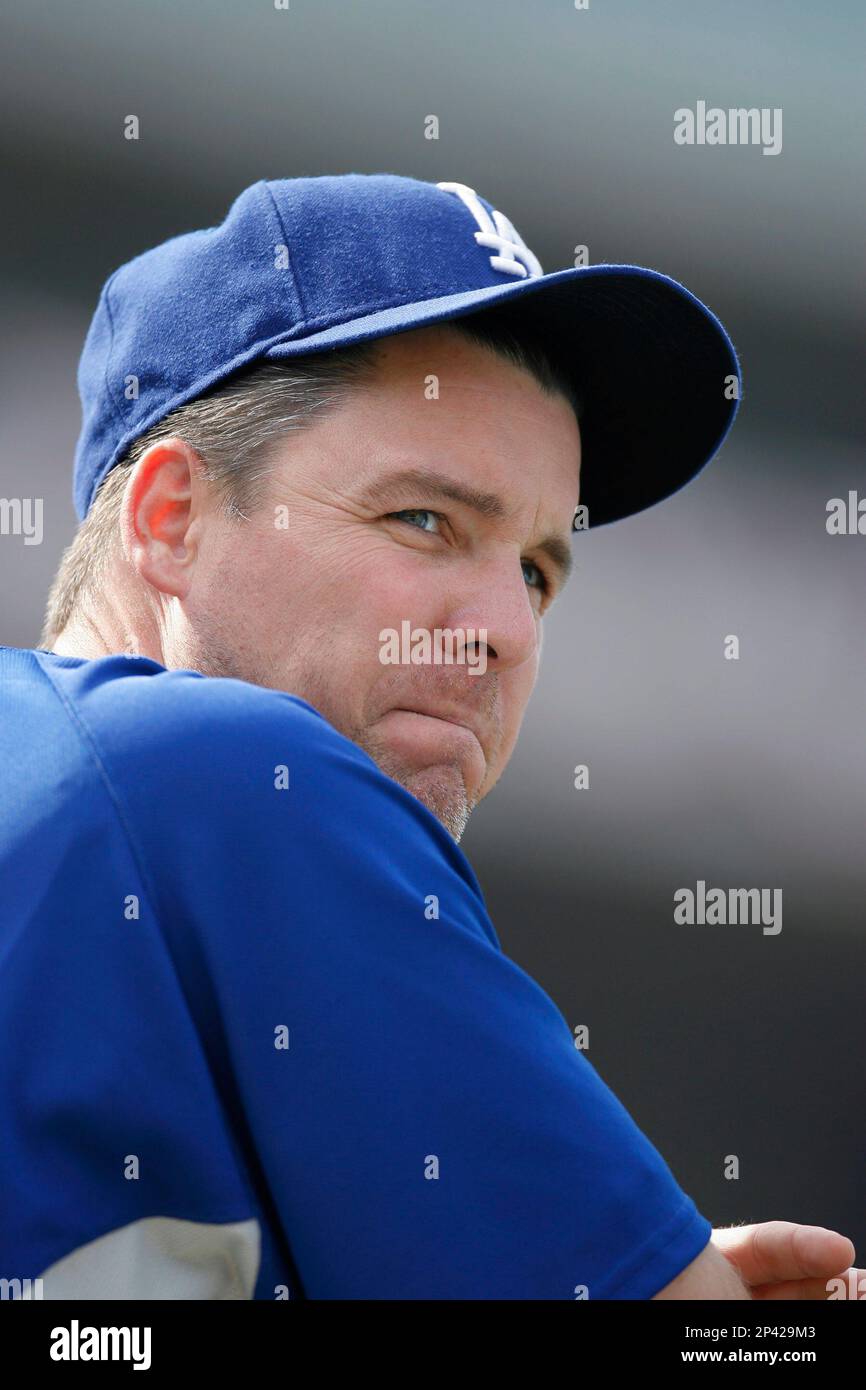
(92, 635)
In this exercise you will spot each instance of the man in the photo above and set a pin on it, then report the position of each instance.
(258, 1036)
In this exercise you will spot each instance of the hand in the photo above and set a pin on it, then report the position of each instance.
(780, 1259)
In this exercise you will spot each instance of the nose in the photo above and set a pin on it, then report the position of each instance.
(492, 599)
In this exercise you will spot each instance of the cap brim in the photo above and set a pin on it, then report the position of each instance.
(652, 365)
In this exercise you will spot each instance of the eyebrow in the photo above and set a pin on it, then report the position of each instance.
(486, 504)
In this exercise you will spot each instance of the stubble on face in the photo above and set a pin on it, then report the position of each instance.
(442, 789)
(441, 785)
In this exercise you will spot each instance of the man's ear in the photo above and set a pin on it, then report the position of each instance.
(159, 513)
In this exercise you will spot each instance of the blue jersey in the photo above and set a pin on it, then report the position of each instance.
(258, 1037)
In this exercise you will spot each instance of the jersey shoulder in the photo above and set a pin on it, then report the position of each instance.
(172, 726)
(221, 761)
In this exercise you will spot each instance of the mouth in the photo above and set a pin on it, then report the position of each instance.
(420, 720)
(455, 718)
(425, 736)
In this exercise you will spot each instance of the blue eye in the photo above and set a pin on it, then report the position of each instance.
(541, 582)
(415, 511)
(532, 573)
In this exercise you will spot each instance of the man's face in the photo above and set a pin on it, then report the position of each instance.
(450, 513)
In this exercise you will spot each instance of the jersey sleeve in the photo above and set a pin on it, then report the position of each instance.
(424, 1126)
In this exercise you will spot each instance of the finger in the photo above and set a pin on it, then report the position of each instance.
(814, 1289)
(772, 1252)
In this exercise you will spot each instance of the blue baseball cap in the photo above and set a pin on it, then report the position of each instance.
(309, 264)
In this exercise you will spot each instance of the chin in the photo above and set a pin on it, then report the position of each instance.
(440, 788)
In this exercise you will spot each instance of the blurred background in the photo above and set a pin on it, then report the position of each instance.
(719, 1039)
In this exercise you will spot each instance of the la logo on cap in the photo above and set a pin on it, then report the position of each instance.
(513, 255)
